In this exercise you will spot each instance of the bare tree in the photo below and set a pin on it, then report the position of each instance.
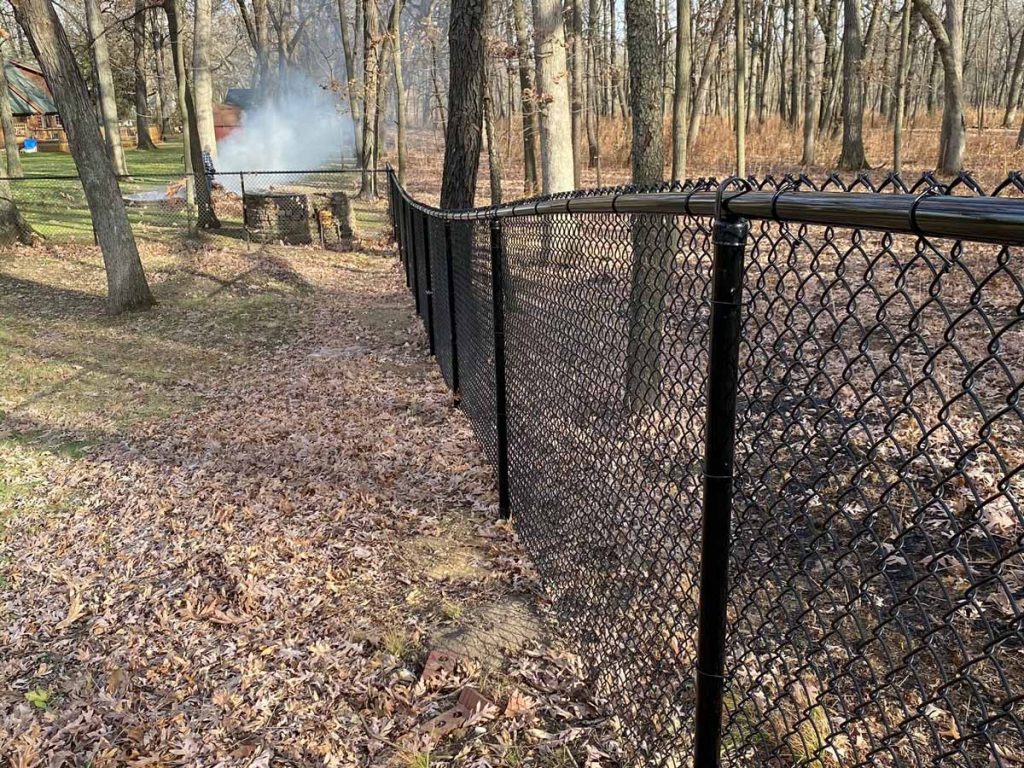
(202, 78)
(576, 107)
(810, 84)
(902, 68)
(949, 41)
(7, 115)
(105, 83)
(741, 88)
(852, 157)
(371, 72)
(395, 35)
(462, 142)
(556, 155)
(681, 93)
(528, 99)
(139, 65)
(126, 281)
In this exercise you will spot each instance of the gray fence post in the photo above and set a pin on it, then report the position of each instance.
(500, 406)
(730, 237)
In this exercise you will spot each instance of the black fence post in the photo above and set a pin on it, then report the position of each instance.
(407, 238)
(416, 256)
(245, 222)
(730, 237)
(428, 289)
(500, 408)
(452, 330)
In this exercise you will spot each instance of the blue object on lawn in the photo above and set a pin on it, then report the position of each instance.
(29, 145)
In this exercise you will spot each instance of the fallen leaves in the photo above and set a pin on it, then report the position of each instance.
(257, 584)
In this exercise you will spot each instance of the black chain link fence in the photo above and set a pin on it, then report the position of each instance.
(294, 207)
(826, 411)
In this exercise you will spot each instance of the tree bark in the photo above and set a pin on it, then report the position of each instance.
(371, 73)
(556, 156)
(741, 88)
(139, 64)
(126, 280)
(105, 83)
(810, 85)
(710, 66)
(462, 143)
(395, 31)
(1016, 80)
(528, 98)
(681, 93)
(902, 69)
(351, 82)
(202, 78)
(577, 88)
(493, 153)
(163, 100)
(852, 157)
(652, 252)
(949, 40)
(7, 118)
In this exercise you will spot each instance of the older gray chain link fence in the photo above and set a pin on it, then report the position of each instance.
(764, 443)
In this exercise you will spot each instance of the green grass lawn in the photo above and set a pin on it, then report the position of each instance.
(167, 159)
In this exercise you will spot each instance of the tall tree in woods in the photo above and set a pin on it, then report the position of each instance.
(126, 281)
(576, 91)
(902, 70)
(105, 85)
(371, 72)
(709, 67)
(202, 77)
(741, 88)
(462, 141)
(13, 157)
(681, 92)
(395, 35)
(556, 152)
(652, 253)
(161, 93)
(141, 87)
(351, 76)
(197, 182)
(949, 42)
(810, 86)
(528, 101)
(852, 157)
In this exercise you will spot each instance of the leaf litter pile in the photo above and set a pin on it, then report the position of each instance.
(258, 579)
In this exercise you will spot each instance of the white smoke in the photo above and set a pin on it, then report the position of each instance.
(299, 130)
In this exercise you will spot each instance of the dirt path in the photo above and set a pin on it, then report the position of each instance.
(257, 582)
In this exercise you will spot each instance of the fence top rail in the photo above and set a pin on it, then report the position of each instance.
(984, 219)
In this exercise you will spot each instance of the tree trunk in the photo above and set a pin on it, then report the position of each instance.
(577, 89)
(949, 40)
(528, 96)
(710, 66)
(126, 281)
(7, 121)
(395, 31)
(163, 100)
(681, 94)
(810, 85)
(105, 83)
(902, 69)
(465, 103)
(371, 73)
(556, 156)
(1014, 91)
(139, 64)
(350, 77)
(652, 252)
(852, 157)
(13, 227)
(493, 154)
(741, 88)
(196, 180)
(202, 78)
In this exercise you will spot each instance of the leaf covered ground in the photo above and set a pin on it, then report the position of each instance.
(232, 528)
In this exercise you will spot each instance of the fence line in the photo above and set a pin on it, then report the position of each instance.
(762, 440)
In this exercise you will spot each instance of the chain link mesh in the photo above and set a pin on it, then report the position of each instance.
(877, 561)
